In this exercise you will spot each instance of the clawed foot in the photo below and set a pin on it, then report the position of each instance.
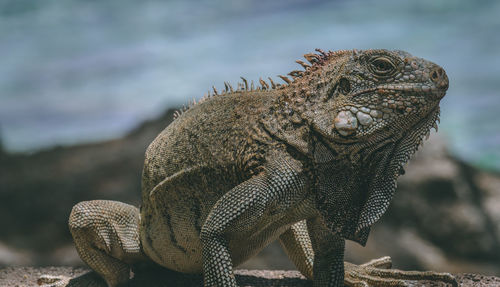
(53, 281)
(378, 273)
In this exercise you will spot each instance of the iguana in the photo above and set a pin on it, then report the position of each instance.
(310, 163)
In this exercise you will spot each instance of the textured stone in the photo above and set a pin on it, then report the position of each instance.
(28, 276)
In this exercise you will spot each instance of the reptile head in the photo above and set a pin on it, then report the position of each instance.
(373, 108)
(367, 95)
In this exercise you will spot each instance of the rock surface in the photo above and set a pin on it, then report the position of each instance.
(28, 276)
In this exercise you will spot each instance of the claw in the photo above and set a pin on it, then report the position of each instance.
(368, 280)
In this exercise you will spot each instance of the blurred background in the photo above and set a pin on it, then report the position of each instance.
(86, 85)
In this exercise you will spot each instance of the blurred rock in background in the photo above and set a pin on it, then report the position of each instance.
(445, 214)
(37, 191)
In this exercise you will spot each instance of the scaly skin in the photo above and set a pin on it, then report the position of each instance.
(309, 163)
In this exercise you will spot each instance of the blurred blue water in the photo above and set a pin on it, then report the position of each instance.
(78, 71)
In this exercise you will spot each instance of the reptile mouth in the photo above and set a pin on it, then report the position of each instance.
(433, 92)
(422, 129)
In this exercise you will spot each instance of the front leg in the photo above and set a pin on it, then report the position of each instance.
(328, 247)
(242, 209)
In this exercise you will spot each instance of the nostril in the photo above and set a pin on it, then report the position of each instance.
(438, 76)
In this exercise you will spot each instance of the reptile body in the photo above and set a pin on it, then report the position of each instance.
(310, 163)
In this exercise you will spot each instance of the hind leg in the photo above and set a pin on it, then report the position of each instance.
(106, 235)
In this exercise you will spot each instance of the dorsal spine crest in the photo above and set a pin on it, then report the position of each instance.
(316, 59)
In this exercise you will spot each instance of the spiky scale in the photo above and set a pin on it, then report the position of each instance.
(176, 114)
(287, 80)
(264, 85)
(272, 83)
(296, 73)
(321, 52)
(311, 58)
(303, 64)
(245, 82)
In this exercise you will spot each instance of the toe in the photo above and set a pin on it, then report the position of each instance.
(383, 262)
(46, 280)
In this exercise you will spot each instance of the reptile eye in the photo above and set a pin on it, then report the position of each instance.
(344, 86)
(382, 66)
